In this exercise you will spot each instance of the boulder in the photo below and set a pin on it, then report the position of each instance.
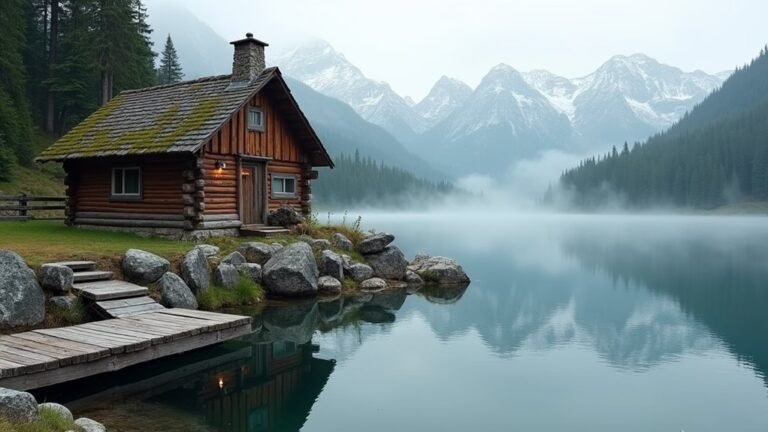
(88, 425)
(235, 259)
(174, 293)
(413, 280)
(257, 252)
(250, 270)
(56, 278)
(360, 272)
(226, 275)
(390, 263)
(142, 267)
(65, 302)
(439, 270)
(209, 250)
(306, 239)
(328, 284)
(340, 241)
(291, 271)
(375, 243)
(18, 407)
(347, 261)
(60, 410)
(195, 271)
(373, 284)
(22, 301)
(320, 244)
(331, 264)
(276, 246)
(284, 216)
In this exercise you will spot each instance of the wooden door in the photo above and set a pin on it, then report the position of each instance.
(251, 194)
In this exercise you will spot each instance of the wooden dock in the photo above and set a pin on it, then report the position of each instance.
(44, 357)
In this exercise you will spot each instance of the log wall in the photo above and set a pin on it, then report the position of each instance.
(277, 144)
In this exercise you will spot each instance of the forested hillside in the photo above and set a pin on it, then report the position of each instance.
(716, 154)
(62, 59)
(360, 181)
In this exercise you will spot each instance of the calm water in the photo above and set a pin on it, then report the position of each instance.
(571, 323)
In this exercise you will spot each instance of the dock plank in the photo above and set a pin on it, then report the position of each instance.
(135, 310)
(44, 357)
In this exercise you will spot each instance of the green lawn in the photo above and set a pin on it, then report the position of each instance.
(39, 242)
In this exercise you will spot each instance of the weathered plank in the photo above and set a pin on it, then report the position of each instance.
(109, 290)
(77, 265)
(94, 275)
(92, 352)
(135, 310)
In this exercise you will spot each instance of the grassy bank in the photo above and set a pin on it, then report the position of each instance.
(50, 421)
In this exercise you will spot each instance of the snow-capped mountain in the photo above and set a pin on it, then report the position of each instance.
(502, 119)
(627, 98)
(327, 71)
(446, 95)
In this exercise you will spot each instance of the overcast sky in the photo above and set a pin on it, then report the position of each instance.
(411, 43)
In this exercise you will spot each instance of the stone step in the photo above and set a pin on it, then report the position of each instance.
(77, 265)
(109, 290)
(93, 275)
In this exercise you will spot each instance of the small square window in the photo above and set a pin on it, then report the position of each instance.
(126, 183)
(283, 186)
(256, 119)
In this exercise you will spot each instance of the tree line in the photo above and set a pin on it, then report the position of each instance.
(718, 153)
(62, 59)
(361, 181)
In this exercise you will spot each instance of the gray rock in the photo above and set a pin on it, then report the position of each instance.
(340, 241)
(328, 284)
(347, 261)
(60, 410)
(88, 425)
(65, 302)
(195, 271)
(18, 407)
(439, 270)
(56, 278)
(257, 252)
(413, 279)
(251, 270)
(174, 293)
(375, 243)
(226, 275)
(360, 272)
(22, 301)
(291, 271)
(373, 284)
(320, 244)
(331, 264)
(389, 263)
(142, 267)
(235, 259)
(276, 246)
(284, 216)
(306, 239)
(209, 250)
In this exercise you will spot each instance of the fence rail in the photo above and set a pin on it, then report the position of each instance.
(20, 207)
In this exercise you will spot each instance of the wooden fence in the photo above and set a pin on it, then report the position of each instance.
(27, 207)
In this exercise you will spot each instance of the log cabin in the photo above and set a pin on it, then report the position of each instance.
(211, 156)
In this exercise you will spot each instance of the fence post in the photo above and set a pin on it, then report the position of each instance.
(23, 206)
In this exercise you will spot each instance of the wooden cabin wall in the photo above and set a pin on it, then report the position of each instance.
(90, 182)
(277, 142)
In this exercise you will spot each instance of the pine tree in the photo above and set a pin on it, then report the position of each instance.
(169, 71)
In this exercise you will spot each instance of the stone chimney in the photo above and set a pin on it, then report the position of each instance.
(249, 59)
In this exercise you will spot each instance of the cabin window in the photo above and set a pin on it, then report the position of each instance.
(126, 182)
(283, 186)
(256, 119)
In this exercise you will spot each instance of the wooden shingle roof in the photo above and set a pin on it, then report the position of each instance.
(174, 118)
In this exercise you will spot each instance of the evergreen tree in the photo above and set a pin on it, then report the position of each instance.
(170, 69)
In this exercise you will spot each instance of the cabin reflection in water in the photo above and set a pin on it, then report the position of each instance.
(273, 390)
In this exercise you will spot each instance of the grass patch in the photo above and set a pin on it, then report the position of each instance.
(60, 317)
(245, 293)
(50, 421)
(349, 285)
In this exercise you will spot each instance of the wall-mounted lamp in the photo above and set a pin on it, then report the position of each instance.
(220, 165)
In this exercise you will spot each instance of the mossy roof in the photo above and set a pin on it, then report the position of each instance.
(173, 118)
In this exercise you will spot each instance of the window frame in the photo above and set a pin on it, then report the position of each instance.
(256, 127)
(283, 177)
(126, 196)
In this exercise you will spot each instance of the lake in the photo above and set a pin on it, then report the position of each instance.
(572, 322)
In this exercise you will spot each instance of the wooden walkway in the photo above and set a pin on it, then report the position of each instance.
(40, 358)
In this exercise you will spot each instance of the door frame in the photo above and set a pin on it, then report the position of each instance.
(255, 161)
